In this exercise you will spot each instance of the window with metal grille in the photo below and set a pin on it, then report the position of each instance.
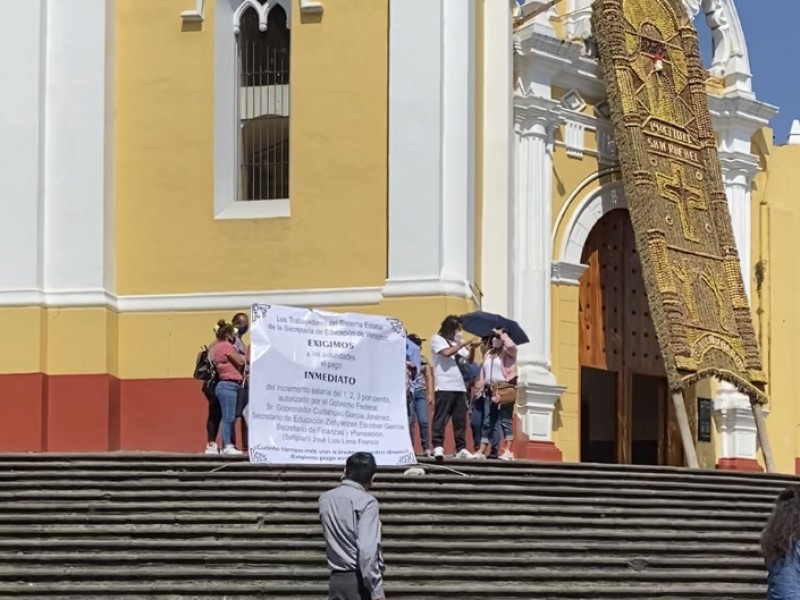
(263, 48)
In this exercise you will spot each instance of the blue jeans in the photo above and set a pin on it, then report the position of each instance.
(498, 417)
(479, 415)
(418, 411)
(227, 392)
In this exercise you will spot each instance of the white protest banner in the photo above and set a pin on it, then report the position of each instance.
(325, 385)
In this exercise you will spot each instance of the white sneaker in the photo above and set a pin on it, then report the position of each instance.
(507, 455)
(464, 453)
(479, 456)
(212, 448)
(438, 454)
(231, 450)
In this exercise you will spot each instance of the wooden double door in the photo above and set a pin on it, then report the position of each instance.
(626, 415)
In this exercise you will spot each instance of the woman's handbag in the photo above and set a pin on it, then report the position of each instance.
(506, 393)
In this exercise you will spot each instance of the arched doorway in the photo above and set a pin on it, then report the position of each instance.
(626, 415)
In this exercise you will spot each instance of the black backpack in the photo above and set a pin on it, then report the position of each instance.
(205, 371)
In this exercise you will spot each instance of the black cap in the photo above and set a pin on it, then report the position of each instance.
(416, 339)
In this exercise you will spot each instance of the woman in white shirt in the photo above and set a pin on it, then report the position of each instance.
(451, 357)
(499, 369)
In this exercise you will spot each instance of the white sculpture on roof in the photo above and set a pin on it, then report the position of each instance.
(730, 58)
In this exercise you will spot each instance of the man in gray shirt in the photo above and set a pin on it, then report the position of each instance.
(352, 528)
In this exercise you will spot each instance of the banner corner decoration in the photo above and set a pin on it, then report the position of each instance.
(656, 85)
(325, 385)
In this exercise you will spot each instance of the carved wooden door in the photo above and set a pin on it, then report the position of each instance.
(617, 336)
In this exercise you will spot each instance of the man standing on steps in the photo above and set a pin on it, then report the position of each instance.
(351, 525)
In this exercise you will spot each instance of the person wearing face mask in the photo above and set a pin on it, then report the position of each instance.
(451, 358)
(499, 368)
(230, 367)
(241, 325)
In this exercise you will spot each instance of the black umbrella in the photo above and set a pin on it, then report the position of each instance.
(481, 323)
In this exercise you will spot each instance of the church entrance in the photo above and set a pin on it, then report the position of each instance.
(626, 413)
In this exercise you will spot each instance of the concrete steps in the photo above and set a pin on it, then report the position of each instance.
(179, 527)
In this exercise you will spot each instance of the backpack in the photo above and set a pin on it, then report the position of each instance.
(203, 367)
(205, 371)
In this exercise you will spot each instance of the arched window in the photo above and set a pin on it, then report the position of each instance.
(263, 50)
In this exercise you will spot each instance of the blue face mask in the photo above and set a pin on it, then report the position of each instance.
(242, 330)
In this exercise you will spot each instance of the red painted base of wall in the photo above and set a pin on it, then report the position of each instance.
(739, 464)
(99, 413)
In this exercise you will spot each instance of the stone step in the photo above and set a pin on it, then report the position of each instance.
(531, 549)
(310, 481)
(399, 574)
(529, 504)
(180, 527)
(421, 590)
(244, 493)
(465, 521)
(187, 465)
(465, 533)
(299, 512)
(568, 559)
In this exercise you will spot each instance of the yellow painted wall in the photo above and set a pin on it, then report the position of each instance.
(167, 238)
(566, 368)
(776, 223)
(60, 341)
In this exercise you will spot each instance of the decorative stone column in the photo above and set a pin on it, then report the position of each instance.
(535, 121)
(737, 428)
(733, 414)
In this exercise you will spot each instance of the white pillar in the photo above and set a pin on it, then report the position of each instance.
(536, 119)
(79, 157)
(738, 173)
(734, 416)
(23, 73)
(431, 148)
(737, 427)
(497, 155)
(458, 142)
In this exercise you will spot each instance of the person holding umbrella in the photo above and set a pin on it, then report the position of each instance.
(498, 373)
(498, 382)
(451, 357)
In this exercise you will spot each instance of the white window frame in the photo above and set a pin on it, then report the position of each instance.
(227, 204)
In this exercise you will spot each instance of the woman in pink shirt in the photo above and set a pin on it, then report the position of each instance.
(230, 368)
(499, 367)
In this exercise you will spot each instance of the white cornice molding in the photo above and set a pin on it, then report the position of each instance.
(211, 301)
(740, 110)
(398, 288)
(311, 6)
(566, 273)
(191, 302)
(195, 15)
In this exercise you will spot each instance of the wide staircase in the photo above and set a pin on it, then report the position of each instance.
(122, 526)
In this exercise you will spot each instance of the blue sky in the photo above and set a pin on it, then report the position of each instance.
(770, 31)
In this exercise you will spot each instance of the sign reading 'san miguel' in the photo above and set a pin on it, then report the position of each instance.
(657, 93)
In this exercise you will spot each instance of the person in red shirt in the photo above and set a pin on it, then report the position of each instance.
(229, 364)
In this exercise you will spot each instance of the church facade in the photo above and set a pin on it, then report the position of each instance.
(174, 161)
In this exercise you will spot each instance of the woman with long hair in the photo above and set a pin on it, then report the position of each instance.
(230, 371)
(499, 369)
(780, 545)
